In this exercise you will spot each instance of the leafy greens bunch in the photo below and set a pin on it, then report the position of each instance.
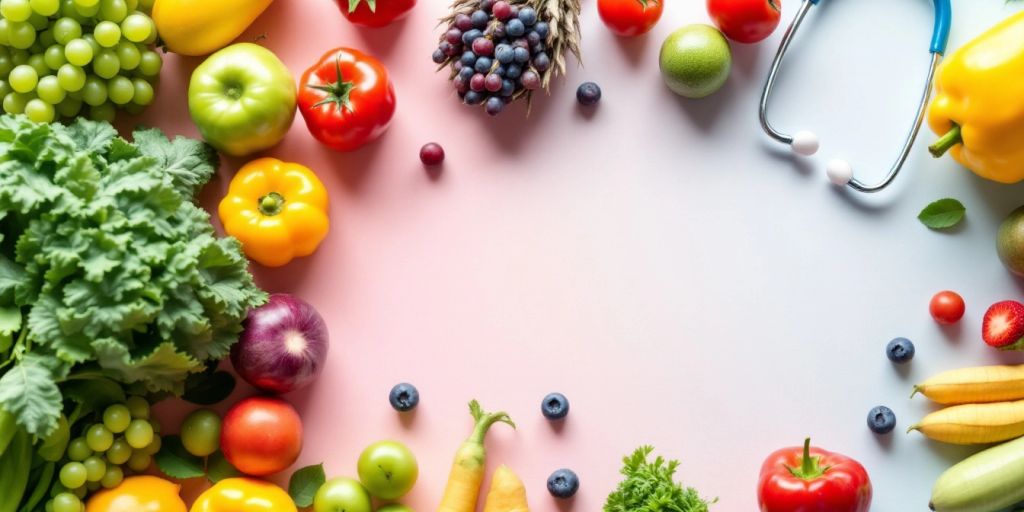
(109, 271)
(649, 487)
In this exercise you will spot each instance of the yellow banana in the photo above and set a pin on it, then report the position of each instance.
(980, 384)
(974, 423)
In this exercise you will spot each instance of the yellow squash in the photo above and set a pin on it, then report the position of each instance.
(507, 493)
(201, 27)
(977, 384)
(974, 423)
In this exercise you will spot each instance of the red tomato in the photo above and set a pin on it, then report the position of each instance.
(947, 307)
(630, 17)
(746, 21)
(347, 99)
(261, 435)
(375, 13)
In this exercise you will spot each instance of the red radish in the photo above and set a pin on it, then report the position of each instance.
(1003, 327)
(283, 345)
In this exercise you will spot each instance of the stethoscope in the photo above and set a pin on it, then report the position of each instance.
(806, 143)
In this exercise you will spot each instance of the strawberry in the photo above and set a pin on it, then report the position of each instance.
(1003, 327)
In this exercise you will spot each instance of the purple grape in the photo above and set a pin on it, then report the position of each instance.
(533, 38)
(537, 48)
(504, 53)
(543, 29)
(471, 35)
(483, 65)
(588, 94)
(468, 59)
(499, 70)
(466, 73)
(462, 86)
(498, 30)
(486, 5)
(521, 55)
(515, 27)
(457, 66)
(502, 10)
(463, 22)
(508, 88)
(473, 98)
(494, 106)
(492, 83)
(528, 16)
(480, 19)
(483, 46)
(514, 71)
(476, 83)
(530, 80)
(453, 50)
(453, 36)
(439, 56)
(514, 11)
(542, 62)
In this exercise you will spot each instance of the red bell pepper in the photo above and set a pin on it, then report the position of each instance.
(375, 13)
(813, 480)
(347, 99)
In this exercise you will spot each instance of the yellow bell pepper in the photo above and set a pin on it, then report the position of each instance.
(138, 494)
(979, 103)
(278, 210)
(201, 27)
(244, 495)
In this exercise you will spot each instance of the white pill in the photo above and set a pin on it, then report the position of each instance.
(805, 143)
(839, 172)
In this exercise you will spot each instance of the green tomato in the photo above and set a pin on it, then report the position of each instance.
(388, 469)
(342, 495)
(242, 98)
(200, 432)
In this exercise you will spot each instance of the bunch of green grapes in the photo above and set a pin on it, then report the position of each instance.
(58, 57)
(124, 436)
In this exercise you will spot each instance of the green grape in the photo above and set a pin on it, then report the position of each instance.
(92, 486)
(136, 28)
(48, 507)
(107, 34)
(37, 47)
(23, 78)
(57, 488)
(80, 492)
(200, 432)
(133, 5)
(106, 64)
(19, 57)
(15, 10)
(40, 111)
(139, 461)
(38, 63)
(5, 32)
(94, 93)
(112, 477)
(45, 7)
(71, 77)
(50, 91)
(113, 10)
(94, 468)
(78, 52)
(133, 109)
(54, 57)
(66, 29)
(150, 63)
(99, 437)
(72, 475)
(140, 432)
(119, 452)
(6, 65)
(21, 35)
(117, 416)
(154, 446)
(91, 39)
(143, 92)
(14, 103)
(87, 11)
(38, 21)
(5, 88)
(128, 55)
(44, 39)
(145, 5)
(78, 449)
(85, 3)
(70, 108)
(66, 502)
(138, 407)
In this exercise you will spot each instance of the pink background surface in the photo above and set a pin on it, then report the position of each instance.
(653, 259)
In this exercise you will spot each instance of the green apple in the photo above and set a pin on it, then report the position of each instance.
(695, 61)
(342, 495)
(388, 469)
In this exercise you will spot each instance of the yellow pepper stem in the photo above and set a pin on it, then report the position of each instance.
(946, 142)
(271, 204)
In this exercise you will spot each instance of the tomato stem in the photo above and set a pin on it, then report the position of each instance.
(271, 204)
(946, 142)
(338, 91)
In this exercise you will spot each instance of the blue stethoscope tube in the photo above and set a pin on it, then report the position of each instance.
(806, 143)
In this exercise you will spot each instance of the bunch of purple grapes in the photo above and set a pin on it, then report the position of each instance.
(498, 53)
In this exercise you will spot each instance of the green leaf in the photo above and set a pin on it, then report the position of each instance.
(190, 163)
(163, 369)
(92, 136)
(28, 392)
(175, 461)
(218, 468)
(95, 393)
(10, 320)
(942, 214)
(208, 388)
(303, 484)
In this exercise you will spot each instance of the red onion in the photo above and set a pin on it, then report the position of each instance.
(283, 345)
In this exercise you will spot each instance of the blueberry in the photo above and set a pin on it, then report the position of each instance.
(555, 406)
(543, 29)
(404, 397)
(473, 98)
(486, 5)
(498, 30)
(900, 350)
(521, 55)
(483, 65)
(881, 420)
(513, 71)
(563, 484)
(479, 19)
(439, 56)
(533, 38)
(542, 62)
(588, 94)
(494, 106)
(468, 58)
(528, 16)
(538, 48)
(515, 27)
(466, 73)
(508, 88)
(504, 53)
(471, 35)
